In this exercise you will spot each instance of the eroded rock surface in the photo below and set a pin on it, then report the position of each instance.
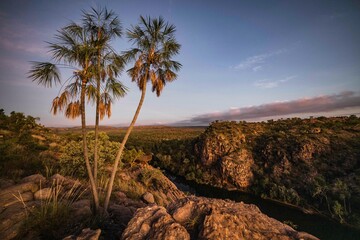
(154, 223)
(203, 218)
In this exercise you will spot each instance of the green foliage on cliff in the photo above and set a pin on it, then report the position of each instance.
(71, 160)
(312, 163)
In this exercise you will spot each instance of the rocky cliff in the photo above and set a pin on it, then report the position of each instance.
(313, 163)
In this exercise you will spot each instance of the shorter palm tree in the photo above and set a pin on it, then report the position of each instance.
(73, 50)
(103, 26)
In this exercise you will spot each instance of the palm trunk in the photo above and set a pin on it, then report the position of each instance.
(85, 149)
(96, 147)
(122, 146)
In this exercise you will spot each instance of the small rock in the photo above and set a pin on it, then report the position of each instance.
(148, 198)
(43, 194)
(57, 178)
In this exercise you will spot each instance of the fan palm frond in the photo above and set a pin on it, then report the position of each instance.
(44, 73)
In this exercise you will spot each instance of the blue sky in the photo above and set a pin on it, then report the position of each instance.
(242, 60)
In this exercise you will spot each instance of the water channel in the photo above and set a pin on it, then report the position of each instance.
(319, 226)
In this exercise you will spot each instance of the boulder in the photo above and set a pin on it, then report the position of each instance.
(148, 198)
(154, 223)
(57, 178)
(43, 194)
(20, 188)
(36, 178)
(17, 198)
(21, 192)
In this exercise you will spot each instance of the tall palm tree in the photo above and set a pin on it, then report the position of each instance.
(103, 26)
(155, 45)
(72, 50)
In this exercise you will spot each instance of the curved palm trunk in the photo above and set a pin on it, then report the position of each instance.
(85, 149)
(122, 146)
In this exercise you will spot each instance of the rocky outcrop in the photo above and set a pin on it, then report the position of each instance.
(152, 185)
(222, 150)
(202, 218)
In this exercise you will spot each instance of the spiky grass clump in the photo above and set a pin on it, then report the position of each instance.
(52, 218)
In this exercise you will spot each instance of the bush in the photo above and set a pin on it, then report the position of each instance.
(72, 159)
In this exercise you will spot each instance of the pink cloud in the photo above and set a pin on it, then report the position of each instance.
(326, 103)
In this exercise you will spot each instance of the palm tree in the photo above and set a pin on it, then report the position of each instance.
(155, 45)
(72, 50)
(103, 26)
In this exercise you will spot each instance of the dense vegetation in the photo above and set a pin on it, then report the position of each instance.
(311, 163)
(22, 143)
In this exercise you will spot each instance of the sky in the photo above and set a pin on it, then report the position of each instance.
(242, 60)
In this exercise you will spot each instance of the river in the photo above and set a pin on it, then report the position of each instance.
(319, 226)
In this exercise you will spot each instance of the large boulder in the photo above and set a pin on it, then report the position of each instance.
(154, 223)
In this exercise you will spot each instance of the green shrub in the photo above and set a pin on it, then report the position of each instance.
(71, 158)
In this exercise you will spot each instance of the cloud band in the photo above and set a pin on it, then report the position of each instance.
(326, 103)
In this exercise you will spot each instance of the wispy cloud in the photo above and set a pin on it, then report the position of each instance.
(257, 68)
(16, 36)
(265, 83)
(326, 103)
(254, 62)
